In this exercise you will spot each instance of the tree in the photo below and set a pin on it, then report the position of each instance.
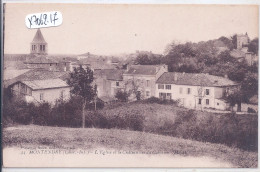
(143, 59)
(235, 98)
(134, 87)
(253, 46)
(249, 85)
(227, 42)
(234, 40)
(121, 96)
(81, 85)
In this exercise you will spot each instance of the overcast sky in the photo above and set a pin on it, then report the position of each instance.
(113, 29)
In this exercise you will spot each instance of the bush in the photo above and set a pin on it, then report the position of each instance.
(159, 101)
(99, 105)
(121, 96)
(250, 110)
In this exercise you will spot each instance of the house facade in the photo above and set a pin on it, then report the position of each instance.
(39, 91)
(142, 79)
(195, 91)
(108, 82)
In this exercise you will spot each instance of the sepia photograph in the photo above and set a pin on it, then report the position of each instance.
(130, 85)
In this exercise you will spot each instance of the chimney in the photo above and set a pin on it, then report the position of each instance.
(166, 67)
(175, 76)
(157, 68)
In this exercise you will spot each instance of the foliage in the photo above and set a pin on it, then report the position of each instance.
(249, 85)
(159, 101)
(234, 40)
(81, 83)
(121, 96)
(253, 46)
(148, 59)
(234, 98)
(230, 129)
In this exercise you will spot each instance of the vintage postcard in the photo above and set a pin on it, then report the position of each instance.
(130, 85)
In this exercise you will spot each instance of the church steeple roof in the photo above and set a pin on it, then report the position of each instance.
(38, 38)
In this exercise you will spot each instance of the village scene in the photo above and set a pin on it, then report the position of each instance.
(204, 94)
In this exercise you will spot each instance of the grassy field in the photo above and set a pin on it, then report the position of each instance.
(90, 138)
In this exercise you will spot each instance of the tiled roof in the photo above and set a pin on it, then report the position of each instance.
(237, 53)
(142, 69)
(38, 38)
(110, 74)
(12, 73)
(41, 60)
(199, 79)
(38, 74)
(45, 84)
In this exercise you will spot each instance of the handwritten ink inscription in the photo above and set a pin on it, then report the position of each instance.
(45, 19)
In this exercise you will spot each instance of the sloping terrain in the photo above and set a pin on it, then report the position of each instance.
(180, 150)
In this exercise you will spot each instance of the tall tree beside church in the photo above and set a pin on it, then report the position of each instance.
(81, 85)
(234, 40)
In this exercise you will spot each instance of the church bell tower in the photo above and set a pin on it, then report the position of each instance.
(39, 45)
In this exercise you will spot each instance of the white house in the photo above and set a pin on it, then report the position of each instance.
(39, 91)
(197, 91)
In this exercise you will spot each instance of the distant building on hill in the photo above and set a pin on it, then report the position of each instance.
(242, 41)
(242, 53)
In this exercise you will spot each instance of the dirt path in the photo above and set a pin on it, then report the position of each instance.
(16, 157)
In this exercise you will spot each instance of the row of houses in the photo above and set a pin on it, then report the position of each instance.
(45, 78)
(191, 90)
(196, 91)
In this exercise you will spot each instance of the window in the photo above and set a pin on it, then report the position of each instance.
(188, 90)
(41, 96)
(180, 90)
(168, 87)
(199, 101)
(162, 95)
(207, 91)
(207, 101)
(117, 83)
(147, 93)
(62, 94)
(40, 47)
(32, 47)
(218, 104)
(169, 96)
(160, 86)
(43, 47)
(147, 83)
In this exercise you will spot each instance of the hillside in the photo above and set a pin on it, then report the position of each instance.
(179, 149)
